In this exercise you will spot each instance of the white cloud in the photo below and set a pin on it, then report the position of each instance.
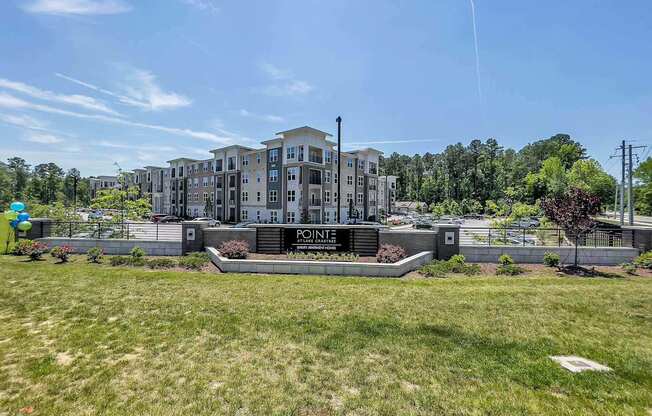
(286, 84)
(22, 121)
(83, 101)
(43, 138)
(77, 7)
(9, 101)
(203, 5)
(263, 117)
(152, 148)
(139, 90)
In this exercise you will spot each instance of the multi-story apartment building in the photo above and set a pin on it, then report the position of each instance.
(178, 189)
(200, 188)
(227, 163)
(386, 195)
(98, 183)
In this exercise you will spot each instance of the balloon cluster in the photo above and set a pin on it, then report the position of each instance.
(17, 217)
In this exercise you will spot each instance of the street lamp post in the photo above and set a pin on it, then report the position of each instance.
(339, 166)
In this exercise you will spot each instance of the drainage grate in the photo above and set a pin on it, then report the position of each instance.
(578, 364)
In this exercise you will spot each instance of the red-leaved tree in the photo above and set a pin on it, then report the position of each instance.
(573, 212)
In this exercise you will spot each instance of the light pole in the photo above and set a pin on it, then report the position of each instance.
(339, 166)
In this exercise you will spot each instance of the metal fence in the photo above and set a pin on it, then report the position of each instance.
(551, 237)
(113, 230)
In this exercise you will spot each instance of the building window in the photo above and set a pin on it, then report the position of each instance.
(273, 196)
(245, 196)
(360, 198)
(349, 180)
(291, 217)
(300, 153)
(292, 174)
(204, 181)
(327, 197)
(361, 164)
(257, 196)
(349, 162)
(258, 158)
(273, 217)
(218, 165)
(292, 196)
(335, 197)
(231, 163)
(360, 181)
(291, 152)
(327, 176)
(243, 215)
(196, 195)
(258, 216)
(258, 177)
(328, 156)
(245, 178)
(232, 181)
(195, 182)
(245, 160)
(349, 198)
(315, 177)
(327, 216)
(273, 155)
(334, 177)
(205, 196)
(273, 175)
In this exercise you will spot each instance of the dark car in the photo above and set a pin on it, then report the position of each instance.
(243, 224)
(157, 217)
(422, 225)
(169, 219)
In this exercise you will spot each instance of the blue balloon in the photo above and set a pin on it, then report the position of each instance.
(17, 206)
(23, 216)
(14, 224)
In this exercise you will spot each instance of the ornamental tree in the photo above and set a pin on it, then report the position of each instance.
(573, 211)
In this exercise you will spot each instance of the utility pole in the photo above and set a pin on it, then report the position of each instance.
(622, 184)
(339, 167)
(630, 200)
(626, 160)
(616, 202)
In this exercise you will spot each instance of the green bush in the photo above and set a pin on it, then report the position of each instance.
(507, 266)
(194, 261)
(62, 253)
(456, 264)
(119, 260)
(161, 263)
(95, 255)
(644, 261)
(629, 268)
(22, 248)
(137, 253)
(551, 259)
(505, 260)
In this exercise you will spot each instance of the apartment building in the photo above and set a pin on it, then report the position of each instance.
(200, 188)
(98, 183)
(178, 196)
(386, 195)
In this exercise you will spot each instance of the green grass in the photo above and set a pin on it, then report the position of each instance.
(85, 339)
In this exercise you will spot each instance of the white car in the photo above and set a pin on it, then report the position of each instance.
(211, 222)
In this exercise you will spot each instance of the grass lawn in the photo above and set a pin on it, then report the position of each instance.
(85, 339)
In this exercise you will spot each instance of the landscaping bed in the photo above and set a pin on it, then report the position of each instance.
(285, 257)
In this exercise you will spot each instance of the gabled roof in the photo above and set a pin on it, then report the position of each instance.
(182, 159)
(306, 129)
(230, 147)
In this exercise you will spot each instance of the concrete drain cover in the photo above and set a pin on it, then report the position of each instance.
(578, 364)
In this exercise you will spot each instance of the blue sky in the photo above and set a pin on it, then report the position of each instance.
(87, 83)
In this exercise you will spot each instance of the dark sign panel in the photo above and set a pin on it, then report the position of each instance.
(317, 239)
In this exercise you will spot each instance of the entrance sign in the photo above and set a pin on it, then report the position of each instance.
(317, 239)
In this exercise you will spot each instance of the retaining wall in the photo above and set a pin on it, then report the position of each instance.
(214, 237)
(412, 241)
(117, 246)
(320, 267)
(599, 256)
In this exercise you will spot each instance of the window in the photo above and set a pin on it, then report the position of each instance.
(328, 155)
(232, 163)
(218, 184)
(273, 196)
(327, 216)
(258, 158)
(335, 197)
(243, 215)
(218, 165)
(315, 177)
(292, 174)
(334, 177)
(258, 216)
(258, 177)
(292, 196)
(361, 164)
(349, 198)
(327, 197)
(245, 178)
(360, 181)
(205, 196)
(204, 181)
(232, 181)
(273, 155)
(336, 159)
(195, 182)
(291, 217)
(196, 195)
(180, 171)
(349, 162)
(360, 198)
(212, 196)
(349, 180)
(291, 152)
(300, 153)
(245, 196)
(231, 197)
(327, 176)
(273, 175)
(257, 196)
(205, 166)
(273, 217)
(245, 160)
(373, 168)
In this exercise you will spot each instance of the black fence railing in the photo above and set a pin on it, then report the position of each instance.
(104, 230)
(551, 237)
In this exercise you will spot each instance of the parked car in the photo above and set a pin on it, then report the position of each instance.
(96, 215)
(211, 221)
(157, 217)
(422, 225)
(243, 224)
(527, 223)
(169, 219)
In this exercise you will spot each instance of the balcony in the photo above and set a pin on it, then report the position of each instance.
(315, 159)
(314, 203)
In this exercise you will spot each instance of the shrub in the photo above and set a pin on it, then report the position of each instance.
(161, 263)
(36, 250)
(22, 247)
(137, 253)
(234, 249)
(644, 261)
(95, 255)
(119, 260)
(507, 266)
(436, 268)
(62, 253)
(194, 261)
(551, 259)
(456, 264)
(388, 253)
(629, 268)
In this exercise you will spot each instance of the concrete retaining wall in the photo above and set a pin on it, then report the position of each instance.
(214, 237)
(412, 241)
(116, 246)
(599, 256)
(320, 267)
